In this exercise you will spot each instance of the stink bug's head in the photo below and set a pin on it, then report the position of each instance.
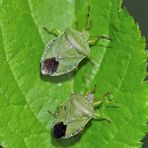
(49, 66)
(59, 130)
(91, 97)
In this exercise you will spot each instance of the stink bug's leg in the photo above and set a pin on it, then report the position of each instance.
(106, 94)
(109, 101)
(98, 38)
(97, 104)
(52, 31)
(101, 117)
(57, 30)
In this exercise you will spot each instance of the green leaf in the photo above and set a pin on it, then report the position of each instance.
(26, 96)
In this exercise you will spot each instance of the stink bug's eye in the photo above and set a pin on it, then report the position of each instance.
(59, 130)
(49, 66)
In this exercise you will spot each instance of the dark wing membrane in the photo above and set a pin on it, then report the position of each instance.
(76, 126)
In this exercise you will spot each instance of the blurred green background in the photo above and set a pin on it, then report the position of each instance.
(139, 10)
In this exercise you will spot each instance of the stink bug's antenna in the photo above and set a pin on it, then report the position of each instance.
(88, 21)
(52, 32)
(91, 91)
(52, 114)
(94, 89)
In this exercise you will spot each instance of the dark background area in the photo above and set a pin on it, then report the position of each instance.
(139, 10)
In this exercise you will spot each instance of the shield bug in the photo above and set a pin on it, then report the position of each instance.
(71, 117)
(64, 53)
(67, 50)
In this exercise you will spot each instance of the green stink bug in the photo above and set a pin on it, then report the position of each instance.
(67, 50)
(71, 118)
(64, 53)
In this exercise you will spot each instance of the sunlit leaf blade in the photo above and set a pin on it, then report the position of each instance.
(26, 96)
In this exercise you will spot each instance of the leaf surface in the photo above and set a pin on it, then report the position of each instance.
(26, 95)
